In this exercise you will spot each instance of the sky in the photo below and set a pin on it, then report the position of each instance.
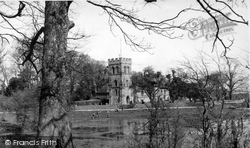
(103, 44)
(166, 53)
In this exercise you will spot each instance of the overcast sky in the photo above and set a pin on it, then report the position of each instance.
(104, 44)
(166, 53)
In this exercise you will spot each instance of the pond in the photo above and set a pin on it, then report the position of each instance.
(101, 132)
(113, 131)
(107, 132)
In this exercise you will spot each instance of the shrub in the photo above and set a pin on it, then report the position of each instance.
(25, 104)
(126, 106)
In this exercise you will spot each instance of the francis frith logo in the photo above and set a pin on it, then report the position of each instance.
(200, 27)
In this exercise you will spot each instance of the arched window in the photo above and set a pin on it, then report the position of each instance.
(115, 83)
(127, 99)
(125, 69)
(116, 93)
(117, 70)
(128, 69)
(113, 70)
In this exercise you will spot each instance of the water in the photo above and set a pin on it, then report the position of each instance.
(107, 133)
(101, 132)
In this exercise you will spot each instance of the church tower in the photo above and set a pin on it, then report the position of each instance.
(120, 80)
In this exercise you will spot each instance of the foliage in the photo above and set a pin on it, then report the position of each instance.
(126, 106)
(26, 79)
(6, 104)
(164, 129)
(85, 76)
(180, 86)
(25, 104)
(15, 84)
(149, 81)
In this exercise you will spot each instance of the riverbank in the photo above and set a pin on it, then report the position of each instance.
(106, 127)
(115, 130)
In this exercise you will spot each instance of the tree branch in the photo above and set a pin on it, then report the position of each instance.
(240, 16)
(31, 49)
(165, 27)
(210, 10)
(20, 9)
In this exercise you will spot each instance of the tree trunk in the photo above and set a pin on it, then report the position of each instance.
(230, 94)
(53, 119)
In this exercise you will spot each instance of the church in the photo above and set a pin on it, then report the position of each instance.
(120, 80)
(119, 91)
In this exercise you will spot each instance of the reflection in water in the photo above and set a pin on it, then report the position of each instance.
(134, 127)
(105, 133)
(102, 130)
(111, 128)
(124, 127)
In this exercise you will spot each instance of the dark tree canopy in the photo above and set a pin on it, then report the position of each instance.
(148, 81)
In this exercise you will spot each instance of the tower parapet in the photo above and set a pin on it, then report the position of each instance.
(115, 61)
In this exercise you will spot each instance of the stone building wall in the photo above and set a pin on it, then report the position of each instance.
(120, 80)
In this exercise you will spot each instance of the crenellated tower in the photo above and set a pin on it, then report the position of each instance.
(120, 80)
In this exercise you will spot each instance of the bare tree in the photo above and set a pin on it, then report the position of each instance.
(164, 126)
(232, 75)
(4, 71)
(216, 122)
(234, 72)
(199, 73)
(53, 120)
